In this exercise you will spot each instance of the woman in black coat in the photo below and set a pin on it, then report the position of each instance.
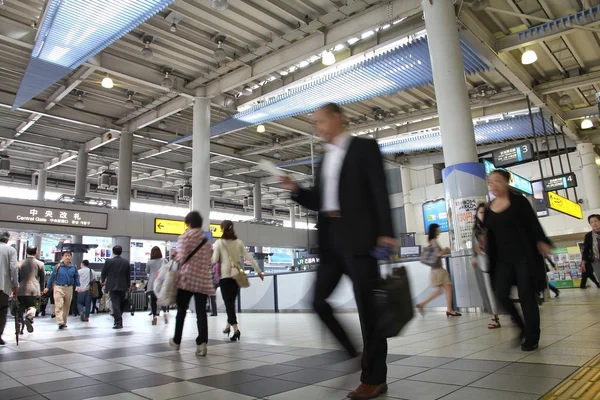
(590, 258)
(516, 245)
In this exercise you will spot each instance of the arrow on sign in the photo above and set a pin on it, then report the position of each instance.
(160, 226)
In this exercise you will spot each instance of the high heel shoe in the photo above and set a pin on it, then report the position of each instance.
(453, 314)
(227, 331)
(235, 337)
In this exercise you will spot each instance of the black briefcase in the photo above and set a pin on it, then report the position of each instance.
(393, 303)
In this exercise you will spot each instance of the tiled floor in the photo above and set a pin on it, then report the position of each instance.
(292, 356)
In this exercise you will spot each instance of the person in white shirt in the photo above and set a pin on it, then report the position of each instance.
(84, 300)
(225, 250)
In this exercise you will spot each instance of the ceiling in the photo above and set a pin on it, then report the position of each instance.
(270, 46)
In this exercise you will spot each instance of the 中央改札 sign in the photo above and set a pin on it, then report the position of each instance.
(52, 216)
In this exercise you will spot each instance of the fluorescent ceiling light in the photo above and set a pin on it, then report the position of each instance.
(107, 82)
(339, 47)
(367, 34)
(351, 41)
(303, 64)
(283, 73)
(587, 124)
(71, 32)
(529, 57)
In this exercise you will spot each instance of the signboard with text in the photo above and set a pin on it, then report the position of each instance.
(52, 216)
(177, 227)
(434, 212)
(513, 155)
(564, 205)
(516, 181)
(560, 182)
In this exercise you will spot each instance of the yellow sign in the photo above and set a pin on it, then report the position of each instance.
(564, 205)
(169, 226)
(216, 231)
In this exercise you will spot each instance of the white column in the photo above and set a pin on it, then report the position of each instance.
(257, 201)
(201, 156)
(408, 206)
(125, 159)
(456, 124)
(81, 173)
(37, 242)
(293, 216)
(589, 170)
(41, 186)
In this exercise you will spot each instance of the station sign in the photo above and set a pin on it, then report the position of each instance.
(564, 205)
(516, 181)
(560, 182)
(308, 261)
(52, 216)
(177, 227)
(512, 155)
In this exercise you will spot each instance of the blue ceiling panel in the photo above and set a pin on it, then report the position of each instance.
(73, 31)
(405, 67)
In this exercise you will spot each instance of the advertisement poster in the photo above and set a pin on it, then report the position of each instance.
(568, 267)
(463, 219)
(434, 212)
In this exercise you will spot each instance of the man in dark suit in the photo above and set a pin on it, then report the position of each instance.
(350, 194)
(116, 276)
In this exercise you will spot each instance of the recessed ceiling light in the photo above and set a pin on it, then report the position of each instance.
(219, 5)
(129, 104)
(167, 82)
(79, 103)
(261, 129)
(587, 124)
(529, 57)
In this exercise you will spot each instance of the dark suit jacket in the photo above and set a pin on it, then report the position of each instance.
(363, 195)
(588, 250)
(529, 232)
(117, 274)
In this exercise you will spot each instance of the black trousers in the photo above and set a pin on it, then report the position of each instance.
(3, 311)
(183, 302)
(213, 305)
(154, 305)
(589, 273)
(336, 260)
(117, 299)
(505, 276)
(229, 290)
(24, 303)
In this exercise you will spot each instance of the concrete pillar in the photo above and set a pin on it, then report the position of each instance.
(37, 242)
(257, 201)
(464, 177)
(124, 189)
(408, 206)
(589, 172)
(125, 159)
(456, 124)
(41, 186)
(201, 156)
(80, 192)
(293, 216)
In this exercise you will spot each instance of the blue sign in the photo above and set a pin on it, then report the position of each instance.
(516, 181)
(434, 212)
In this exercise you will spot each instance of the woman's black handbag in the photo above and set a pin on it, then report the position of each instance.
(393, 303)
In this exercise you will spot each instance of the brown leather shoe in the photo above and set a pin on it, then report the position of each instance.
(366, 392)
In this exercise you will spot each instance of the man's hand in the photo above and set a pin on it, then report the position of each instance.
(583, 266)
(474, 263)
(45, 291)
(78, 289)
(386, 241)
(15, 291)
(289, 184)
(544, 248)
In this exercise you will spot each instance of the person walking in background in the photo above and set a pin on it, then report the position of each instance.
(482, 268)
(227, 250)
(9, 278)
(152, 266)
(116, 276)
(516, 246)
(350, 194)
(439, 277)
(31, 284)
(84, 299)
(590, 258)
(213, 306)
(194, 279)
(61, 281)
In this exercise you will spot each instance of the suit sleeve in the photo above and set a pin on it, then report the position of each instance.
(308, 198)
(378, 188)
(14, 269)
(104, 271)
(128, 274)
(587, 242)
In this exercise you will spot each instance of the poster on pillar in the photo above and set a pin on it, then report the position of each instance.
(461, 215)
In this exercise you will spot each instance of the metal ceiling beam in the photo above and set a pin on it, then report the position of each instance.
(269, 14)
(579, 113)
(315, 43)
(482, 40)
(167, 109)
(573, 82)
(56, 144)
(76, 78)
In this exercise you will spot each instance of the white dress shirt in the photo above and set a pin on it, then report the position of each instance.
(330, 174)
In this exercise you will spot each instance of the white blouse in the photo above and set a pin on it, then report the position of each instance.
(220, 253)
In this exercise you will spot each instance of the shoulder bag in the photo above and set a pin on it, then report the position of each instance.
(240, 278)
(93, 289)
(429, 256)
